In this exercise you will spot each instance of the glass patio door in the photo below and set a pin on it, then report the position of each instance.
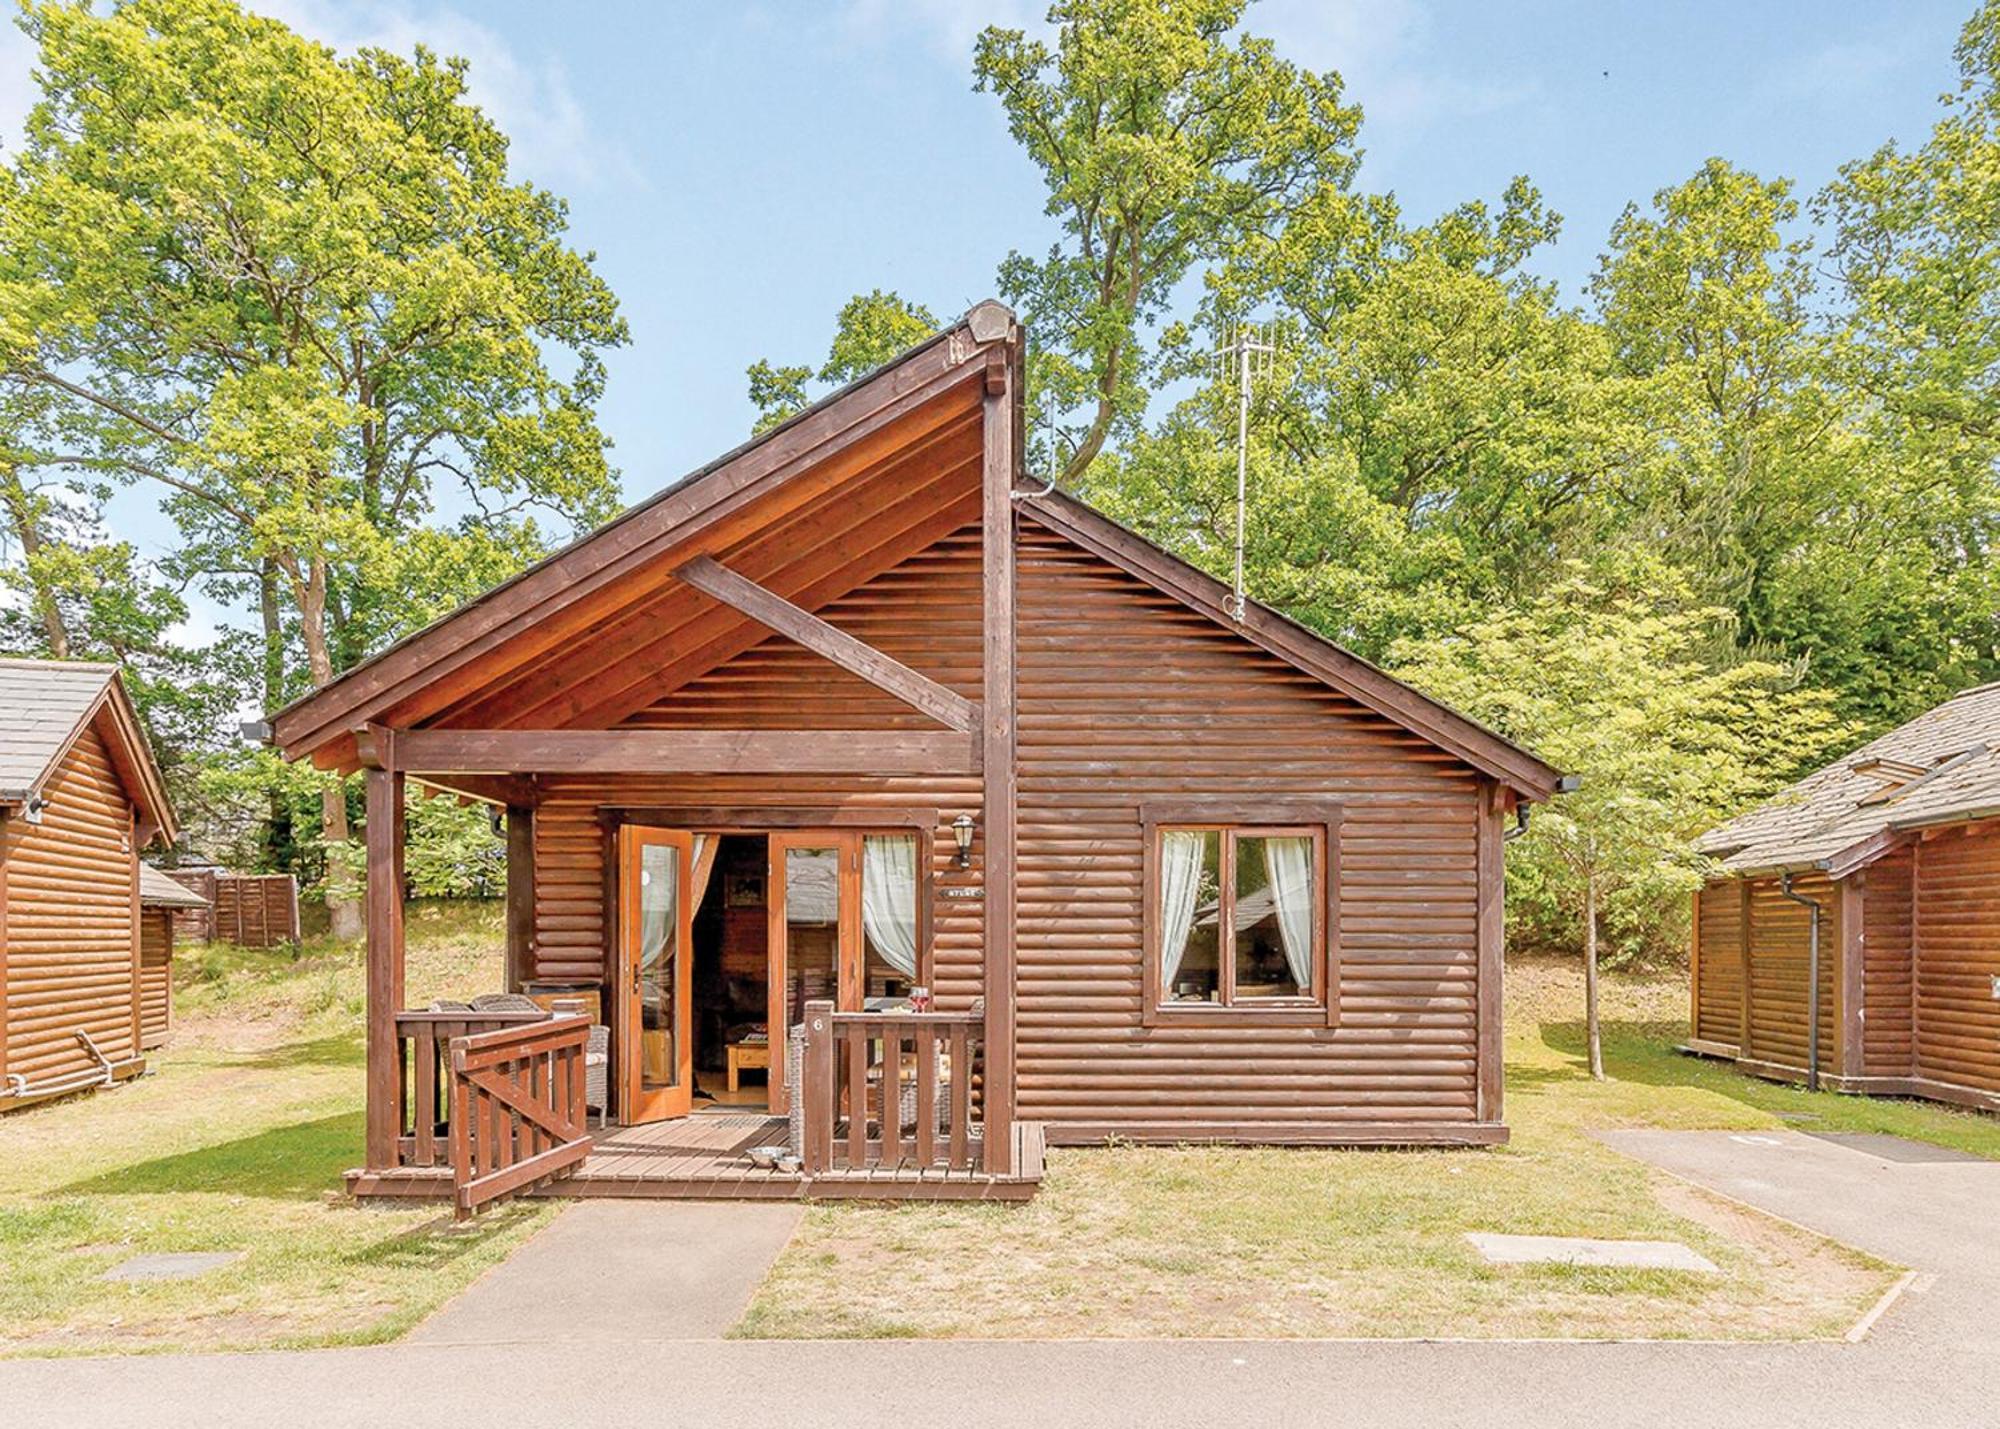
(655, 1048)
(847, 925)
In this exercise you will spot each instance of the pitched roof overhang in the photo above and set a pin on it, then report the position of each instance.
(927, 402)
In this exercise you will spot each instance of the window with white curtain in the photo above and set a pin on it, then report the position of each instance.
(1239, 917)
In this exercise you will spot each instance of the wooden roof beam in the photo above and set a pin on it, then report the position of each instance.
(449, 752)
(857, 657)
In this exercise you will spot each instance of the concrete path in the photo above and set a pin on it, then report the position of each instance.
(1931, 1362)
(614, 1271)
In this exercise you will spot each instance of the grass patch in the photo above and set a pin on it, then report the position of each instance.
(1205, 1241)
(237, 1142)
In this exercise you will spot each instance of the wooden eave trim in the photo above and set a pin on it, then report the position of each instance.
(444, 752)
(829, 642)
(1297, 646)
(924, 374)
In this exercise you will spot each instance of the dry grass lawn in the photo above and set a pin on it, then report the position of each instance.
(237, 1143)
(1194, 1241)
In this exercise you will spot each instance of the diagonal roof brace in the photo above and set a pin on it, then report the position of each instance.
(857, 657)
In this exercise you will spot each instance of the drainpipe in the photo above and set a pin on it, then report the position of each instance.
(1812, 979)
(1508, 836)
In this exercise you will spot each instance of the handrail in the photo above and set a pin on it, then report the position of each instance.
(908, 1075)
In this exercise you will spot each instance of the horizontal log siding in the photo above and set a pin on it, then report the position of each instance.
(1127, 697)
(1719, 978)
(925, 612)
(70, 938)
(1885, 965)
(156, 954)
(1957, 957)
(1778, 934)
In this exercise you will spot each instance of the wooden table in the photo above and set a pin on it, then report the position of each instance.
(748, 1054)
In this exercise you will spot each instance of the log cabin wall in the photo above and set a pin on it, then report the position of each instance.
(1885, 942)
(1780, 1012)
(925, 612)
(1957, 1036)
(1718, 1010)
(1126, 696)
(71, 934)
(156, 956)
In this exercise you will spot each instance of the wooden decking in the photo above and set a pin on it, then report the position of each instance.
(705, 1157)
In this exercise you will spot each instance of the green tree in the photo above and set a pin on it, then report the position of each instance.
(301, 293)
(870, 329)
(1635, 688)
(1168, 140)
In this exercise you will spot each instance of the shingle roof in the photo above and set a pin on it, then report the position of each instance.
(1830, 816)
(158, 890)
(41, 704)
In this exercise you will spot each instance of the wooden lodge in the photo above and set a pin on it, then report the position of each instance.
(86, 942)
(1852, 937)
(859, 731)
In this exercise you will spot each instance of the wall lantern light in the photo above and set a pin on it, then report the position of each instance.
(961, 830)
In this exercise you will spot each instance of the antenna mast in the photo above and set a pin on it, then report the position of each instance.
(1253, 349)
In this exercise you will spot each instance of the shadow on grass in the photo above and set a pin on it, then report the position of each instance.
(339, 1049)
(286, 1163)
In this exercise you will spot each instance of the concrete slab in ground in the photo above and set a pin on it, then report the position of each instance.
(172, 1265)
(615, 1271)
(1578, 1250)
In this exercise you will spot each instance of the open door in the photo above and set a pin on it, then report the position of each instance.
(655, 984)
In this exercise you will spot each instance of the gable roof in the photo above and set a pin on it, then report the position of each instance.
(45, 706)
(682, 521)
(1941, 767)
(157, 890)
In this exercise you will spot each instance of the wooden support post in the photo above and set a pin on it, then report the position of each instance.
(1850, 997)
(6, 833)
(998, 770)
(1694, 967)
(1916, 955)
(520, 896)
(384, 832)
(1491, 926)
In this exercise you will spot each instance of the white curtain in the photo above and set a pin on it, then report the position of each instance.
(1180, 885)
(1288, 861)
(889, 899)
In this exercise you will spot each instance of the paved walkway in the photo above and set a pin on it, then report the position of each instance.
(611, 1272)
(1933, 1360)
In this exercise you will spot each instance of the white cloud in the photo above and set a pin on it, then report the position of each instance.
(550, 136)
(949, 26)
(17, 85)
(1843, 68)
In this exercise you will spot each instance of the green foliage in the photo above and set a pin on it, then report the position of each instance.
(870, 329)
(452, 850)
(1629, 686)
(1167, 138)
(301, 295)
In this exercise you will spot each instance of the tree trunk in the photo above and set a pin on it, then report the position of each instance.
(1590, 976)
(343, 898)
(27, 530)
(278, 844)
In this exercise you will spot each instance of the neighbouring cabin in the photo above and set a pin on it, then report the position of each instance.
(1894, 854)
(162, 901)
(84, 958)
(868, 799)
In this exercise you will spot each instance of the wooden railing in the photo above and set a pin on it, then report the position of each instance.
(891, 1090)
(517, 1108)
(423, 1059)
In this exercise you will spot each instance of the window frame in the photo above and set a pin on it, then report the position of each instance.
(1235, 819)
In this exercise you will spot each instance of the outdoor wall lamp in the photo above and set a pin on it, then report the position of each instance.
(961, 830)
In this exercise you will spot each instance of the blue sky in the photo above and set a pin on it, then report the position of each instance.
(740, 169)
